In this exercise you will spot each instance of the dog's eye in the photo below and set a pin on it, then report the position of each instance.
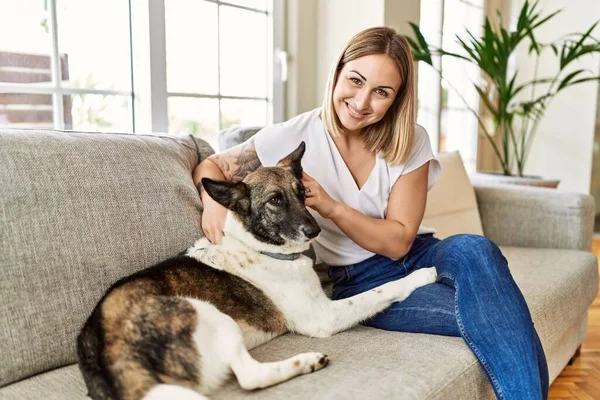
(276, 200)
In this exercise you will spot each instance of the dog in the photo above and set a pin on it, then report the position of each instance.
(178, 329)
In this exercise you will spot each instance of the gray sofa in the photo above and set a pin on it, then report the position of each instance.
(80, 210)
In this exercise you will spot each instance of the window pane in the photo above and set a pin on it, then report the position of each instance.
(257, 4)
(192, 46)
(196, 116)
(94, 36)
(99, 113)
(428, 119)
(243, 52)
(21, 110)
(459, 132)
(25, 43)
(243, 113)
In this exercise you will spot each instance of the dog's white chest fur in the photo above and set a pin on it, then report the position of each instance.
(292, 286)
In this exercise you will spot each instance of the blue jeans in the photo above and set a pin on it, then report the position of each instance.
(476, 298)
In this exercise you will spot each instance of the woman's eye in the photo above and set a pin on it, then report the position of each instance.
(356, 80)
(382, 92)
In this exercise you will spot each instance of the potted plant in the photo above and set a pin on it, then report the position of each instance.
(514, 120)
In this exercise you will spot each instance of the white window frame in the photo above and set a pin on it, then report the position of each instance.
(55, 89)
(276, 64)
(152, 116)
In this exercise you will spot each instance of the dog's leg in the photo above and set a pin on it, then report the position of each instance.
(169, 392)
(252, 374)
(336, 316)
(220, 343)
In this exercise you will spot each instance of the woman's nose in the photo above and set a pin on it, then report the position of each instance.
(362, 99)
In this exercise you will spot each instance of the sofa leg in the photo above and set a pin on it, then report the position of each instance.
(577, 353)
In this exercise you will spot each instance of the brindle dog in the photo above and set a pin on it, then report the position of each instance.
(178, 329)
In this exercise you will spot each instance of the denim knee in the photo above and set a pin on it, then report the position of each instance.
(474, 252)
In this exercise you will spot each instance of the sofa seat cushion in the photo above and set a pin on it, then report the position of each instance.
(558, 285)
(59, 384)
(370, 363)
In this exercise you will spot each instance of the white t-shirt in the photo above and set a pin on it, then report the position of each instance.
(324, 163)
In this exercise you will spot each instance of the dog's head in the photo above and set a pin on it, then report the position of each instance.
(269, 206)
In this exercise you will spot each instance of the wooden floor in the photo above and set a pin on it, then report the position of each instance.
(582, 379)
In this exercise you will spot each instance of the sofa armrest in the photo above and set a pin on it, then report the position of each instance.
(536, 217)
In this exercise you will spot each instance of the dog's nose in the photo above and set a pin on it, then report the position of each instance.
(311, 231)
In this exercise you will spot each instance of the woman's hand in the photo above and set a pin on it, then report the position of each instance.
(317, 198)
(213, 219)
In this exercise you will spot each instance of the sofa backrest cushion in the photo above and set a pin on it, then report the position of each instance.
(451, 202)
(235, 135)
(78, 211)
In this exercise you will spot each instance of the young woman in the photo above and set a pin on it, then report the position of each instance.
(368, 168)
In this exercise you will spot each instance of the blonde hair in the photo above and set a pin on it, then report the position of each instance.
(393, 135)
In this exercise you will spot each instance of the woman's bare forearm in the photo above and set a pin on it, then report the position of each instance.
(385, 237)
(232, 165)
(393, 236)
(206, 169)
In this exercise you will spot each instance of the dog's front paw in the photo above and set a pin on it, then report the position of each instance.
(311, 362)
(424, 276)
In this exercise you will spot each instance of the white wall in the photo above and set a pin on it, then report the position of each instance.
(301, 39)
(318, 30)
(338, 21)
(564, 143)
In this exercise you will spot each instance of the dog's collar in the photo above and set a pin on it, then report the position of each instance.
(284, 257)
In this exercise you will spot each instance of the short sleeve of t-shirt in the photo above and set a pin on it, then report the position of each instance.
(276, 141)
(420, 154)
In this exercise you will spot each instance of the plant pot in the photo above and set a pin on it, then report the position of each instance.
(497, 178)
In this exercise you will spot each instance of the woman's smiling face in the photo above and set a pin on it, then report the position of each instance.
(366, 87)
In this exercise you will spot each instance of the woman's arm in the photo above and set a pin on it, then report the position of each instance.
(232, 165)
(391, 237)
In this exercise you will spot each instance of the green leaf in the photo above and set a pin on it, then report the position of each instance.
(582, 80)
(521, 22)
(531, 83)
(573, 50)
(545, 20)
(486, 100)
(565, 82)
(421, 50)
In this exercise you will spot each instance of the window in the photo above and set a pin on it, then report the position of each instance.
(193, 66)
(220, 78)
(441, 102)
(77, 76)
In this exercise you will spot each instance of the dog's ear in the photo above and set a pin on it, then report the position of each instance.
(293, 160)
(232, 195)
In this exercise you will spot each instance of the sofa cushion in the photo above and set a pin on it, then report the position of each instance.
(558, 285)
(73, 223)
(451, 202)
(233, 136)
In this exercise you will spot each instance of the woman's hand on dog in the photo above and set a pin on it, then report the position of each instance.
(317, 198)
(213, 219)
